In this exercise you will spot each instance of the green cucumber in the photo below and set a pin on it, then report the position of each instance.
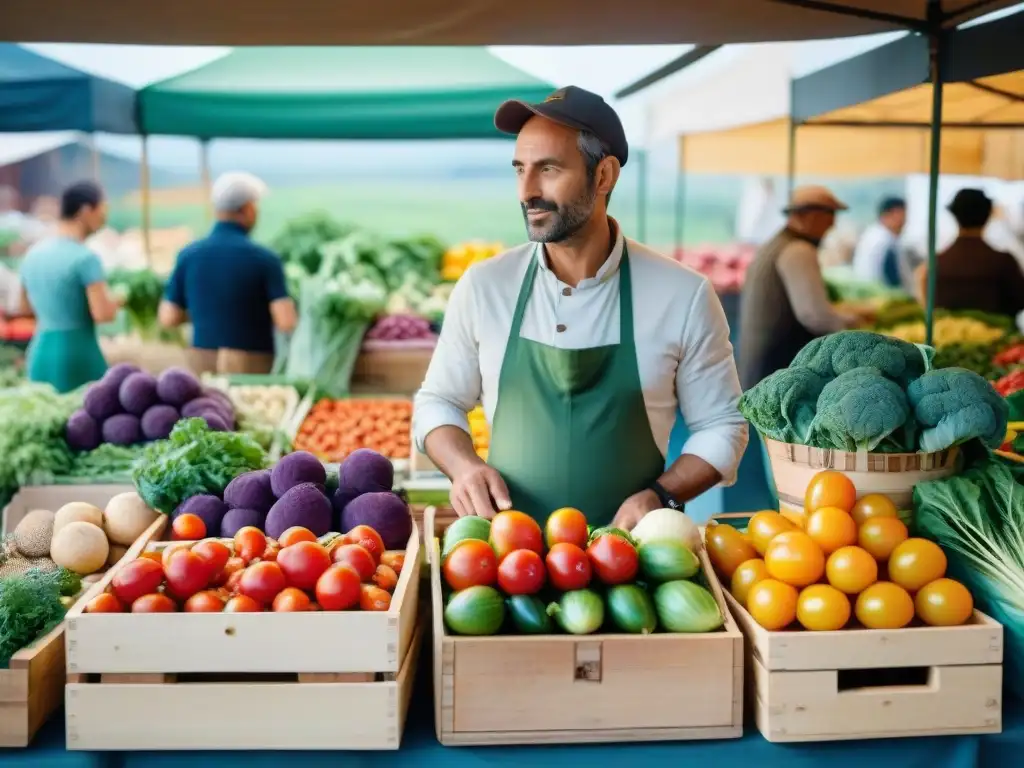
(579, 612)
(667, 560)
(475, 611)
(529, 615)
(631, 609)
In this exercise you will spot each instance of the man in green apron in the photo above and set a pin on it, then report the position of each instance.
(581, 346)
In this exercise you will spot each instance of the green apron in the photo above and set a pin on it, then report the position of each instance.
(570, 427)
(65, 359)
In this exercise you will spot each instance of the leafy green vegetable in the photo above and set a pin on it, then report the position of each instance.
(107, 461)
(32, 445)
(859, 410)
(783, 405)
(837, 353)
(193, 460)
(69, 581)
(955, 405)
(29, 607)
(143, 289)
(299, 242)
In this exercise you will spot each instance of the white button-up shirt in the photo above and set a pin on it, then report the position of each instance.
(682, 340)
(869, 256)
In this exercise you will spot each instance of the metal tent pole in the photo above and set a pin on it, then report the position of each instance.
(936, 54)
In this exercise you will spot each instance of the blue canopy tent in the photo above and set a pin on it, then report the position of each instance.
(40, 94)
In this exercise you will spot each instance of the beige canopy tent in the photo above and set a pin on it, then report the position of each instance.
(473, 22)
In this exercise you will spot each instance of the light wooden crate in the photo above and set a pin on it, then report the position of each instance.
(31, 688)
(53, 497)
(576, 689)
(317, 680)
(869, 684)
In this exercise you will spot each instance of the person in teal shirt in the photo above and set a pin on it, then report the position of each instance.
(63, 285)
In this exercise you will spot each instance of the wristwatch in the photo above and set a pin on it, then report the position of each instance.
(667, 499)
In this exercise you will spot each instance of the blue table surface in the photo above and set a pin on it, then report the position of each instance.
(419, 744)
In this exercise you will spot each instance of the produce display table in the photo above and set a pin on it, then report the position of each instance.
(420, 747)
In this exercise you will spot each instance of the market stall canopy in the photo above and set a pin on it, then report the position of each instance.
(469, 22)
(40, 94)
(339, 93)
(887, 89)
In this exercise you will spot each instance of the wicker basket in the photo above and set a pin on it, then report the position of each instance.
(891, 474)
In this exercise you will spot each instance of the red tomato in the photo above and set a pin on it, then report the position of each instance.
(368, 539)
(204, 602)
(568, 526)
(614, 559)
(214, 553)
(231, 567)
(513, 530)
(154, 603)
(270, 553)
(385, 578)
(337, 589)
(242, 604)
(262, 582)
(568, 567)
(358, 557)
(294, 535)
(393, 559)
(249, 543)
(188, 527)
(135, 579)
(472, 563)
(234, 581)
(105, 602)
(303, 563)
(373, 598)
(186, 573)
(291, 600)
(521, 573)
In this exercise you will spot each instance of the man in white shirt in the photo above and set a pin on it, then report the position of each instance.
(581, 346)
(876, 258)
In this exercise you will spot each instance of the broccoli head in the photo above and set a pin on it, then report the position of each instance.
(836, 354)
(955, 405)
(862, 410)
(782, 406)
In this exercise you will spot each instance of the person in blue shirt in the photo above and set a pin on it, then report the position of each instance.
(231, 289)
(63, 284)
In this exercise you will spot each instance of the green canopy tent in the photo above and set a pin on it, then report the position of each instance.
(341, 93)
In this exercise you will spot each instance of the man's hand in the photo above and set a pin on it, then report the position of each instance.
(479, 490)
(634, 508)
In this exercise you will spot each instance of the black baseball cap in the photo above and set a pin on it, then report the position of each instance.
(573, 107)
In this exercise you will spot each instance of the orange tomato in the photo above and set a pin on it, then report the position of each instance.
(873, 505)
(831, 528)
(294, 535)
(727, 549)
(154, 603)
(944, 603)
(170, 549)
(772, 604)
(250, 542)
(746, 576)
(884, 605)
(386, 578)
(394, 559)
(851, 570)
(916, 562)
(204, 602)
(188, 527)
(830, 489)
(795, 559)
(302, 563)
(881, 535)
(373, 598)
(765, 526)
(821, 608)
(291, 600)
(356, 556)
(262, 581)
(232, 566)
(104, 602)
(471, 563)
(337, 589)
(242, 604)
(214, 553)
(514, 530)
(566, 525)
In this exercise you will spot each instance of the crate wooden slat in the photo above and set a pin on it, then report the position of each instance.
(31, 688)
(250, 712)
(823, 686)
(246, 642)
(568, 689)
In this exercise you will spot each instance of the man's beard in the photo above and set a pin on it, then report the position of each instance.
(563, 222)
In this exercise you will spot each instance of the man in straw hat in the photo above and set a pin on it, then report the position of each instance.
(784, 302)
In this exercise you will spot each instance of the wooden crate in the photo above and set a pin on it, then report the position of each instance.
(31, 688)
(317, 680)
(399, 371)
(869, 684)
(596, 688)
